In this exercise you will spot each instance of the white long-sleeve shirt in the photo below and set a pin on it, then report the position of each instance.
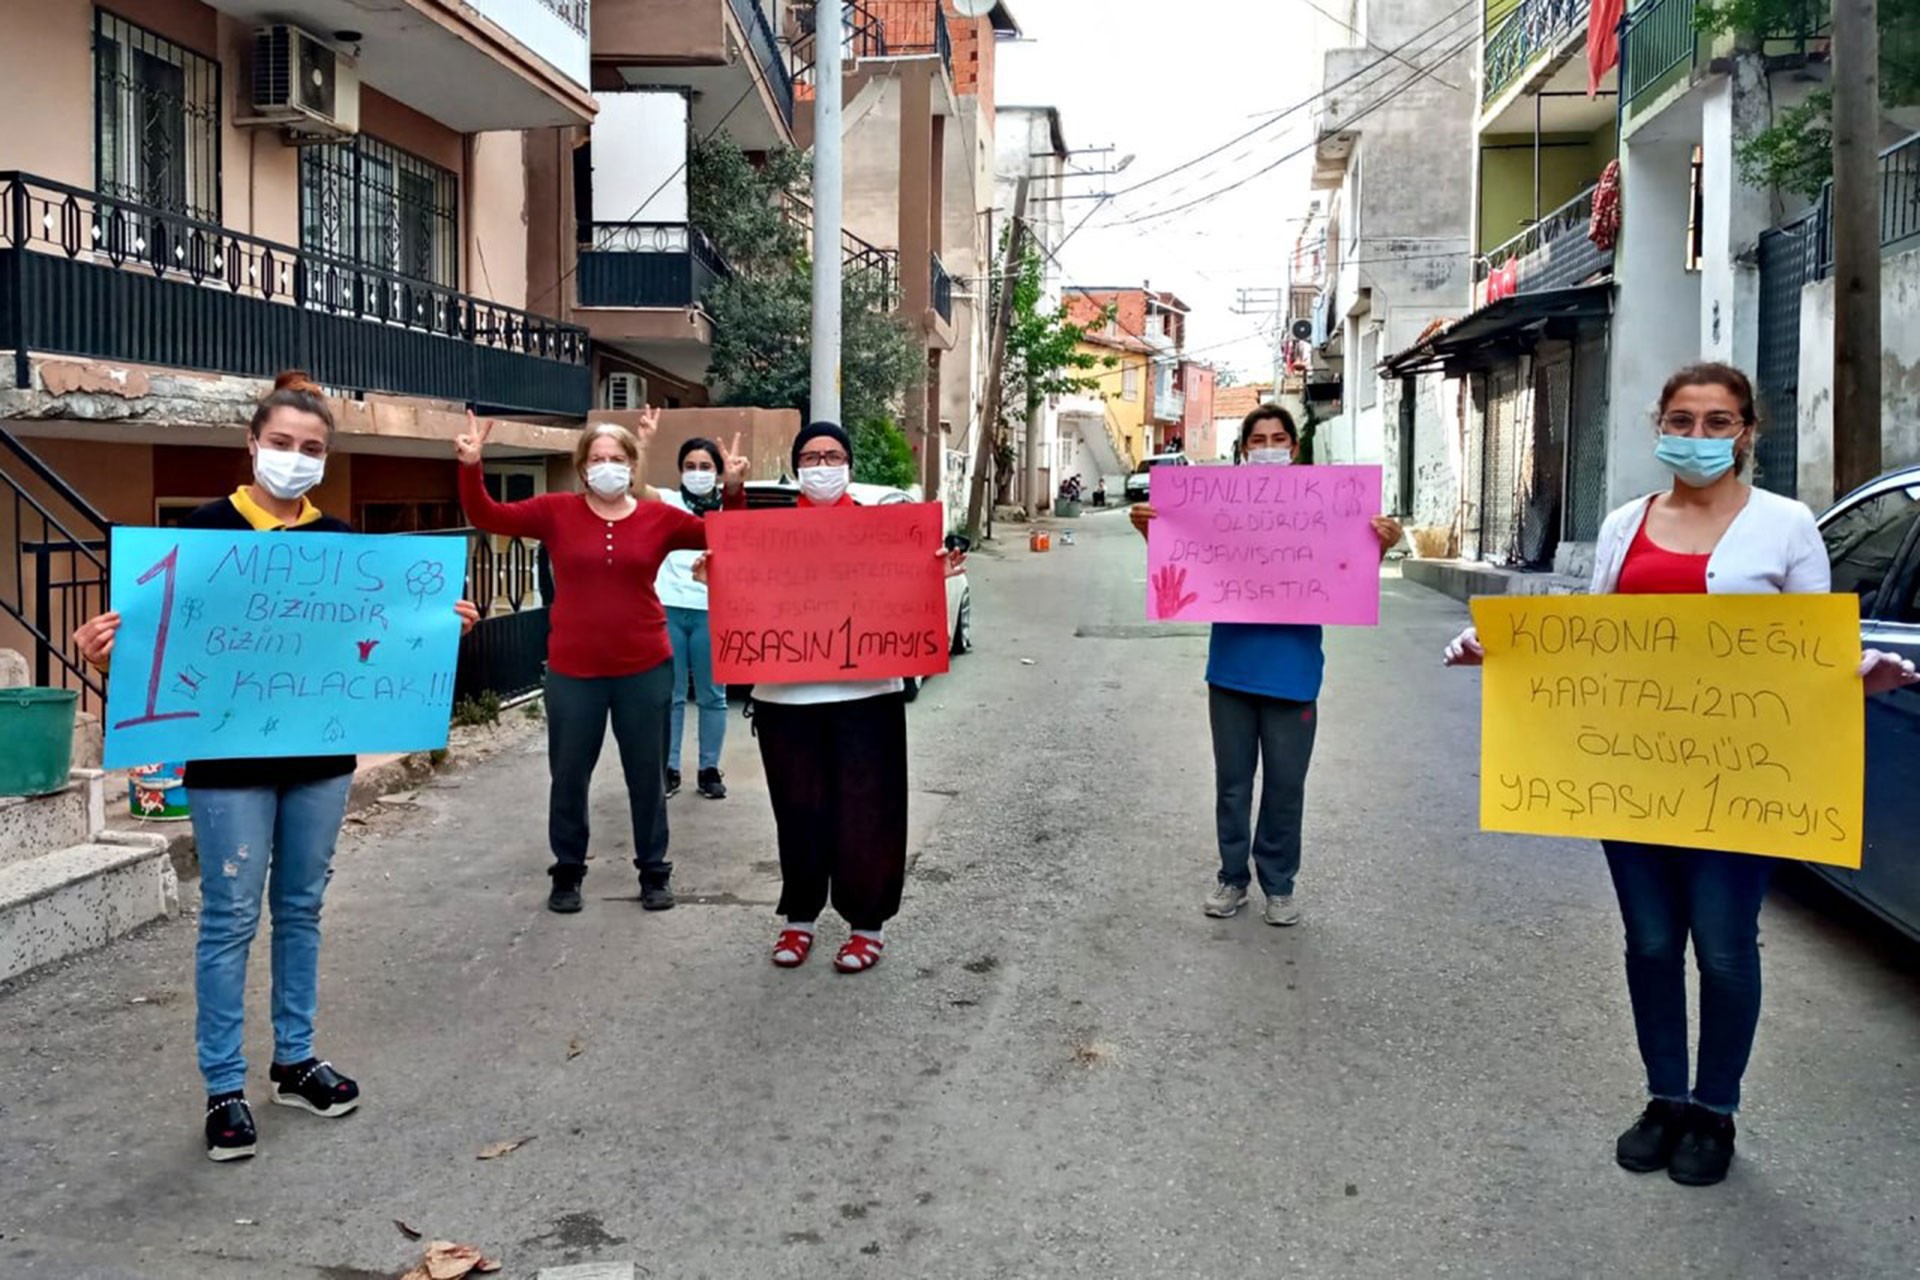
(1773, 547)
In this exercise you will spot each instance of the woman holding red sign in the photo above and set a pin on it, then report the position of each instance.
(1263, 687)
(608, 655)
(836, 765)
(1711, 532)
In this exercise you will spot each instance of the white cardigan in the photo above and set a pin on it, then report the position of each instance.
(1772, 547)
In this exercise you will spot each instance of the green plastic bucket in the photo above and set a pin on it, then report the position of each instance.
(36, 740)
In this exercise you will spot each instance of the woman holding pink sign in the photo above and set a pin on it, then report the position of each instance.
(1711, 532)
(1263, 687)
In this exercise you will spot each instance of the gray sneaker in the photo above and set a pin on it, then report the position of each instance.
(1281, 911)
(1225, 900)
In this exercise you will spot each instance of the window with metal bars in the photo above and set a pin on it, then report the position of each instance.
(369, 203)
(156, 120)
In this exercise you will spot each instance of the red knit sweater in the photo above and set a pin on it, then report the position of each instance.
(606, 620)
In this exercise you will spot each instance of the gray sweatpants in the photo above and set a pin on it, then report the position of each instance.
(1276, 736)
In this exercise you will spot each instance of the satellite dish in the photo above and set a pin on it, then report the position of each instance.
(975, 8)
(1303, 330)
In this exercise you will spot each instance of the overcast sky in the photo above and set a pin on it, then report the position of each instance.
(1168, 81)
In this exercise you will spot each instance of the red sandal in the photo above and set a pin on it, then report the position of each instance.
(791, 948)
(858, 954)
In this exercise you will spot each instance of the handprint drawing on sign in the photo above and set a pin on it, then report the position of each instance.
(425, 579)
(1170, 594)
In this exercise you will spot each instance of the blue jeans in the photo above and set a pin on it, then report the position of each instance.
(1667, 895)
(275, 842)
(693, 650)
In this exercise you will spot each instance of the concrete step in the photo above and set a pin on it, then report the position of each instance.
(36, 825)
(74, 900)
(1465, 579)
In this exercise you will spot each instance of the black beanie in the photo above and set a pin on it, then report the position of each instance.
(831, 430)
(697, 443)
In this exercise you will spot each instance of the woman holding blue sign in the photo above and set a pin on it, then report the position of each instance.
(264, 828)
(1263, 689)
(1711, 532)
(608, 656)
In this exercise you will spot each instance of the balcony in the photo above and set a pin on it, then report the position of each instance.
(1661, 46)
(1554, 253)
(494, 64)
(1534, 32)
(1170, 408)
(901, 29)
(85, 275)
(720, 51)
(639, 287)
(942, 295)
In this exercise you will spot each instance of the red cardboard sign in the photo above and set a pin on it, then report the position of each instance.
(827, 594)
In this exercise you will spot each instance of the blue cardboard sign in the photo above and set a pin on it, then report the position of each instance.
(235, 645)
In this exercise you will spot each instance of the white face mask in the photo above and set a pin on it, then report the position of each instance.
(823, 485)
(697, 483)
(286, 473)
(1270, 457)
(609, 479)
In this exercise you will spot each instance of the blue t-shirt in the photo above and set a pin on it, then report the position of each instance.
(1265, 658)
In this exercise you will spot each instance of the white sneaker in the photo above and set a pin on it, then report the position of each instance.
(1225, 900)
(1281, 911)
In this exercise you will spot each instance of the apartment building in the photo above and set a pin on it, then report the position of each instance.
(1030, 143)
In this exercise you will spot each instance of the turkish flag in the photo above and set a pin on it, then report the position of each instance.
(1603, 42)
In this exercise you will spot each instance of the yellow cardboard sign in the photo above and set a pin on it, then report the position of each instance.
(1710, 722)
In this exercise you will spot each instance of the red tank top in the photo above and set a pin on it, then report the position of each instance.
(1651, 569)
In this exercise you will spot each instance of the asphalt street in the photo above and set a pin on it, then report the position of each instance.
(1061, 1068)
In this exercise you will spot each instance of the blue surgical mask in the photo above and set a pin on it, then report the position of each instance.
(1696, 461)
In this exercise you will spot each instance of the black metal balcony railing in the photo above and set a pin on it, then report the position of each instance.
(903, 28)
(1536, 28)
(942, 289)
(648, 264)
(1555, 252)
(1661, 37)
(766, 54)
(506, 653)
(85, 275)
(57, 576)
(571, 12)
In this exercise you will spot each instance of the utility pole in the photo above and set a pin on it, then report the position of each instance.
(997, 359)
(829, 19)
(1856, 243)
(1253, 302)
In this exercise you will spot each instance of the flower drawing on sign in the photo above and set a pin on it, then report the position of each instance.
(425, 578)
(366, 649)
(1170, 592)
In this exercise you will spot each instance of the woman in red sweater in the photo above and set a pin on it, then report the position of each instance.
(608, 656)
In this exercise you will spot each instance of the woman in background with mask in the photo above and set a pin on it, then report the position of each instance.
(1712, 532)
(685, 598)
(1263, 687)
(608, 657)
(264, 827)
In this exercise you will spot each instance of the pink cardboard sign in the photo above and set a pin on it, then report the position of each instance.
(1264, 544)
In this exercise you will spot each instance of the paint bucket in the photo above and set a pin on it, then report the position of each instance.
(158, 793)
(36, 740)
(1040, 540)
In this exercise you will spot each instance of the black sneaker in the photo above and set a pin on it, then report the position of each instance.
(1705, 1150)
(564, 897)
(710, 785)
(230, 1132)
(656, 893)
(673, 783)
(1649, 1144)
(314, 1086)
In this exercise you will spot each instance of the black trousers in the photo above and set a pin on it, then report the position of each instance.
(837, 774)
(577, 714)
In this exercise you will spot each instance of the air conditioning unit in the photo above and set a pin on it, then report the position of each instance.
(1303, 330)
(304, 85)
(623, 391)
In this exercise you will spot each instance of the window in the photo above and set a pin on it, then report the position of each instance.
(1863, 542)
(376, 206)
(407, 517)
(1130, 382)
(156, 121)
(1696, 211)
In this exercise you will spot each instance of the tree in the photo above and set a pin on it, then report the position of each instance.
(762, 308)
(1044, 357)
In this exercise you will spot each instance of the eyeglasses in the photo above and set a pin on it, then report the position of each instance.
(1715, 424)
(834, 459)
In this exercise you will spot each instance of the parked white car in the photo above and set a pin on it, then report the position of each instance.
(1138, 483)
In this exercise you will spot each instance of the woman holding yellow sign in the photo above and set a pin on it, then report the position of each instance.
(1711, 533)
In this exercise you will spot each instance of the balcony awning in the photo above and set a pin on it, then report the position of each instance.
(1502, 328)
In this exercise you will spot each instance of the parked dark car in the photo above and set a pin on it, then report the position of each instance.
(1873, 541)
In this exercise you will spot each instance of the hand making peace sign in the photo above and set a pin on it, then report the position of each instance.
(471, 443)
(735, 463)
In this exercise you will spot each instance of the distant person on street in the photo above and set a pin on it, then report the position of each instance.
(836, 765)
(1714, 532)
(1263, 689)
(608, 656)
(264, 828)
(685, 598)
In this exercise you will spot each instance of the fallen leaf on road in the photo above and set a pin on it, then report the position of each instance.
(406, 1230)
(574, 1049)
(446, 1260)
(498, 1149)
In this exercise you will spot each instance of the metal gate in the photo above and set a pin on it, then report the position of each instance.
(1473, 479)
(1505, 455)
(1789, 259)
(1586, 503)
(1547, 457)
